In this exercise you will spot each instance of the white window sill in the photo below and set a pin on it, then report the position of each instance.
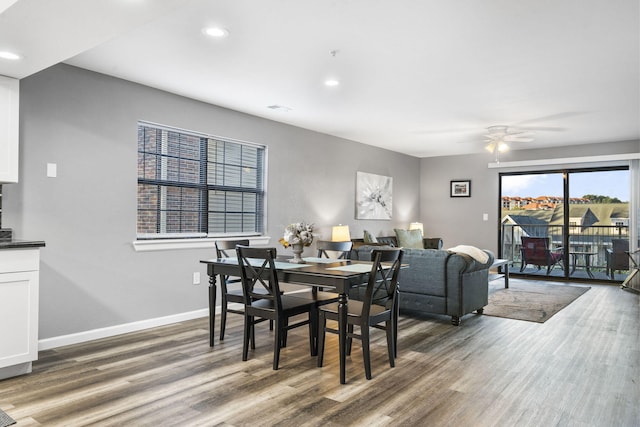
(207, 243)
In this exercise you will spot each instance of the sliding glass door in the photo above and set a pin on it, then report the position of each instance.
(570, 224)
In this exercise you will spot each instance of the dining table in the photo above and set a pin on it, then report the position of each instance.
(339, 274)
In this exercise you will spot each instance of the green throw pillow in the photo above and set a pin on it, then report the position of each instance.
(369, 238)
(409, 239)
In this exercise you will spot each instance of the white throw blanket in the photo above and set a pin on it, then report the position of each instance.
(475, 253)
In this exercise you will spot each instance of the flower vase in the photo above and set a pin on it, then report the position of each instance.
(297, 249)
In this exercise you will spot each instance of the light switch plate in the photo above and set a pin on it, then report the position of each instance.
(52, 170)
(485, 217)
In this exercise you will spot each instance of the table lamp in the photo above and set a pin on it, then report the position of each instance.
(340, 233)
(417, 226)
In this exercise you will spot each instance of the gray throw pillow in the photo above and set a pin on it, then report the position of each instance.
(410, 239)
(369, 238)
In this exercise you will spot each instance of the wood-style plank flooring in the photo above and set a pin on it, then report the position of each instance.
(580, 368)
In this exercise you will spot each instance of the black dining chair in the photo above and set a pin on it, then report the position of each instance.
(380, 305)
(225, 249)
(343, 249)
(264, 301)
(317, 293)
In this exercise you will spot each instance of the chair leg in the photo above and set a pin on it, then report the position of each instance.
(349, 338)
(396, 316)
(253, 336)
(390, 342)
(248, 325)
(313, 331)
(283, 336)
(366, 354)
(322, 324)
(223, 317)
(277, 343)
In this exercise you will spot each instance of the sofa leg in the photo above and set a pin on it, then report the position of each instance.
(455, 320)
(480, 310)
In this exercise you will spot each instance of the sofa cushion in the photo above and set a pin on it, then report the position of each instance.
(369, 238)
(363, 253)
(388, 240)
(409, 239)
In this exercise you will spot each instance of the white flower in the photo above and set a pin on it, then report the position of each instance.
(297, 232)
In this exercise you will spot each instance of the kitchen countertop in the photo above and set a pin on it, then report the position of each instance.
(20, 244)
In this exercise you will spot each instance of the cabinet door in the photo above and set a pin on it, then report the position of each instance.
(19, 325)
(9, 107)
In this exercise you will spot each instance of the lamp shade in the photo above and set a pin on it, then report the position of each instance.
(340, 233)
(417, 226)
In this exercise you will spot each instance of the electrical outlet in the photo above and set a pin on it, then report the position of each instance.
(196, 278)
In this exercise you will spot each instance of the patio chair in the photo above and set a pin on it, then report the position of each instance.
(536, 251)
(617, 256)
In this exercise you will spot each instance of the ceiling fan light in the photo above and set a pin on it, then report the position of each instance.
(490, 147)
(503, 146)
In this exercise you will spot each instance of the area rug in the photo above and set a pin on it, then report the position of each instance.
(5, 420)
(533, 302)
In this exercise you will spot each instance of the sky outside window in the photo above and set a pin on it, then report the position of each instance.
(604, 183)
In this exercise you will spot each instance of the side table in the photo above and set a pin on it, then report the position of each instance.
(497, 263)
(587, 261)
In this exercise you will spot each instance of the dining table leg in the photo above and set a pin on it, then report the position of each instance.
(212, 305)
(342, 337)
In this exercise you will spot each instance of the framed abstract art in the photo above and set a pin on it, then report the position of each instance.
(374, 198)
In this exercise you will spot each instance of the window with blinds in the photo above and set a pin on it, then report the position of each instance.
(195, 185)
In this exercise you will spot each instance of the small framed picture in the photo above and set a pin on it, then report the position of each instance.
(461, 188)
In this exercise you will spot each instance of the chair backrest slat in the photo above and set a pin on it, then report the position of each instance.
(224, 248)
(258, 271)
(382, 288)
(343, 247)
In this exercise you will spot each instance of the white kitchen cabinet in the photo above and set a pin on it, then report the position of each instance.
(19, 293)
(9, 108)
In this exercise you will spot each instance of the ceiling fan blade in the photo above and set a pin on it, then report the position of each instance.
(517, 138)
(542, 128)
(551, 117)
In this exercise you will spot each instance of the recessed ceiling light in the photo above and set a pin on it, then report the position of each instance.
(9, 55)
(216, 32)
(331, 82)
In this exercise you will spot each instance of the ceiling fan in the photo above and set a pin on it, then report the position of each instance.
(499, 137)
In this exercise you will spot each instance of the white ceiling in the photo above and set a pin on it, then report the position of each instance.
(422, 77)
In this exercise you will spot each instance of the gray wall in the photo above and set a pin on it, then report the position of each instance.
(86, 123)
(459, 220)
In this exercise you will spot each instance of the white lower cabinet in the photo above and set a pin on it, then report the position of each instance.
(19, 291)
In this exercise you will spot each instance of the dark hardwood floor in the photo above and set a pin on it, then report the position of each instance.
(580, 368)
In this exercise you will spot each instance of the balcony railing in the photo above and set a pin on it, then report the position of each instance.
(593, 240)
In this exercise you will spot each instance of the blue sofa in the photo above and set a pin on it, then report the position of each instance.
(438, 281)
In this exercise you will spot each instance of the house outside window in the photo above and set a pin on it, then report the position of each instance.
(194, 185)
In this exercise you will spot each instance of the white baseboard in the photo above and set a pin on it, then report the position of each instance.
(80, 337)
